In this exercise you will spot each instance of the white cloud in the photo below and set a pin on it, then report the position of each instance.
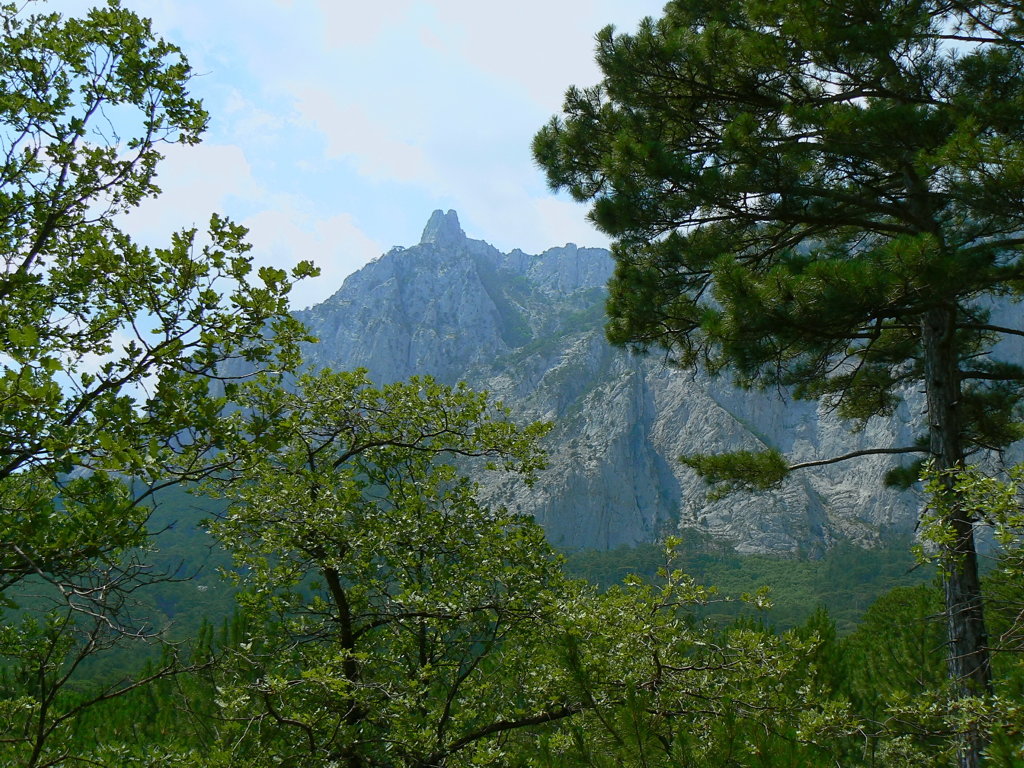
(561, 221)
(244, 120)
(360, 23)
(537, 46)
(532, 224)
(284, 237)
(376, 149)
(339, 126)
(283, 229)
(195, 182)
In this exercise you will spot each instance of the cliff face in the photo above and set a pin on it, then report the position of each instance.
(530, 330)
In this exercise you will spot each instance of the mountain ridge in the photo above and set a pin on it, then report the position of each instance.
(529, 328)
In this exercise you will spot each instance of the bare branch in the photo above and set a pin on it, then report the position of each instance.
(856, 454)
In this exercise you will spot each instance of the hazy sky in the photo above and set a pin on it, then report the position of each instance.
(338, 126)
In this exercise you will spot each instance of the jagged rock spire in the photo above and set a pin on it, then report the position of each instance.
(443, 229)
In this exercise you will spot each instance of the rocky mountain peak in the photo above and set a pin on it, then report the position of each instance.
(443, 229)
(529, 329)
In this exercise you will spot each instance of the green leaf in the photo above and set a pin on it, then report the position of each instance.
(25, 336)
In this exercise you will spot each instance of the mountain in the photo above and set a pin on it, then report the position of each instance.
(529, 328)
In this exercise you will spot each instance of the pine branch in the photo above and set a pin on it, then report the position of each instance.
(856, 454)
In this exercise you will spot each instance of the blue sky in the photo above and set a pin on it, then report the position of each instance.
(338, 126)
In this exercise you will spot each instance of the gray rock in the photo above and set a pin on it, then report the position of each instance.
(443, 230)
(529, 328)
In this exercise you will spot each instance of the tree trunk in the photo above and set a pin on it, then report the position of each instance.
(348, 755)
(967, 641)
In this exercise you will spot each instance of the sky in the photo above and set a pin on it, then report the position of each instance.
(338, 126)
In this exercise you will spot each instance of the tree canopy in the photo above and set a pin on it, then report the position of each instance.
(391, 609)
(794, 186)
(827, 196)
(108, 348)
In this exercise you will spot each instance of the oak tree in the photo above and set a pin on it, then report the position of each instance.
(397, 620)
(107, 347)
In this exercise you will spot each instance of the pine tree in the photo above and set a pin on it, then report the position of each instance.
(827, 196)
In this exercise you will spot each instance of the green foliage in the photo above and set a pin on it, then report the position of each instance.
(897, 649)
(663, 690)
(845, 580)
(107, 348)
(976, 495)
(393, 611)
(109, 345)
(739, 470)
(905, 477)
(824, 196)
(388, 617)
(878, 696)
(765, 219)
(900, 685)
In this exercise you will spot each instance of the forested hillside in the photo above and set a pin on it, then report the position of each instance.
(221, 548)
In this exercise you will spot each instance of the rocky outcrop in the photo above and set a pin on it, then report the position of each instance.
(529, 328)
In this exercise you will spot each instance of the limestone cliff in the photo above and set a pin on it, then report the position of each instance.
(529, 328)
